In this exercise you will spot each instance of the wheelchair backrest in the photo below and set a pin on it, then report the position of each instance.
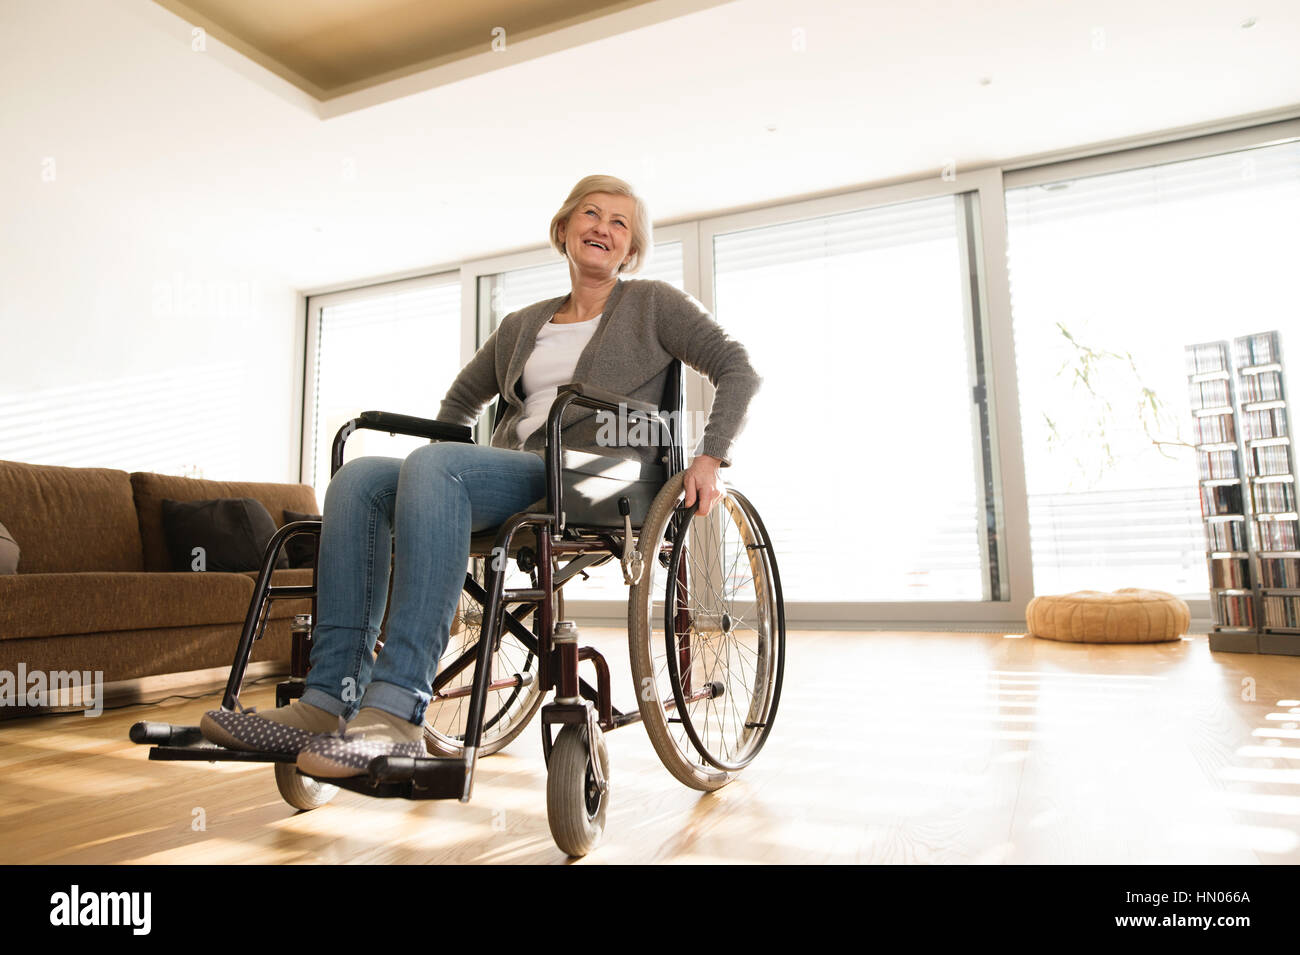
(673, 405)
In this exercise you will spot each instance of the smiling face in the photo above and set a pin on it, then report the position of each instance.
(601, 219)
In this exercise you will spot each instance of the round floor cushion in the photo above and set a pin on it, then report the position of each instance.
(1131, 615)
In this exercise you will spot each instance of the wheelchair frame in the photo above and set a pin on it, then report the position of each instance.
(558, 655)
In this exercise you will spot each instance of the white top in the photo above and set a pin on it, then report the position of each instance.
(552, 363)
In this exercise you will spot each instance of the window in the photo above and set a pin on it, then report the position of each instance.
(1112, 275)
(385, 348)
(883, 325)
(866, 449)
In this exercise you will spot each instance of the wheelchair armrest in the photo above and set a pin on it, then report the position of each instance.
(416, 427)
(396, 424)
(591, 397)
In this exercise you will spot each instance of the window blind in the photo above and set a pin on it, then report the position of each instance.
(858, 324)
(398, 350)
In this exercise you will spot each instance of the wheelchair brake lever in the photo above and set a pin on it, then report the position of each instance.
(631, 560)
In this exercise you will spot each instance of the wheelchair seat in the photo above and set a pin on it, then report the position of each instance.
(593, 485)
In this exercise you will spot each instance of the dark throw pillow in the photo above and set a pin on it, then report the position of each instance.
(233, 533)
(8, 552)
(301, 548)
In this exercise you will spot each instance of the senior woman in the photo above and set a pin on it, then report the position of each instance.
(606, 332)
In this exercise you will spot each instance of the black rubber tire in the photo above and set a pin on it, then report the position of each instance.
(575, 814)
(680, 757)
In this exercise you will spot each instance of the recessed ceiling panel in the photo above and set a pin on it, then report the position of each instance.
(332, 47)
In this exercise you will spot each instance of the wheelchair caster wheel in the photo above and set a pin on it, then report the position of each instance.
(575, 807)
(299, 791)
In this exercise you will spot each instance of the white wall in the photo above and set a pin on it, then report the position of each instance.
(133, 333)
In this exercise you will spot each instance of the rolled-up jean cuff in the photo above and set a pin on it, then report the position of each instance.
(326, 702)
(397, 700)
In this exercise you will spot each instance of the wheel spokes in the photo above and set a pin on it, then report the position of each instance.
(716, 634)
(506, 707)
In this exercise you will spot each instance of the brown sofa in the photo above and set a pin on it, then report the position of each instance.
(94, 589)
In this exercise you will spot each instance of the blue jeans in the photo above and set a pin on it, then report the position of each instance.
(424, 509)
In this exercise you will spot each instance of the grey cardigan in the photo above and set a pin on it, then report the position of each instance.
(646, 323)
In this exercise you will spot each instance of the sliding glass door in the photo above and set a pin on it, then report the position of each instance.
(869, 449)
(1112, 275)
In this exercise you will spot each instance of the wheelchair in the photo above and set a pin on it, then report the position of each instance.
(706, 631)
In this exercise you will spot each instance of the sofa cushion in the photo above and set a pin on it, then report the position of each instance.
(150, 489)
(47, 605)
(9, 552)
(233, 533)
(70, 520)
(301, 548)
(290, 577)
(130, 654)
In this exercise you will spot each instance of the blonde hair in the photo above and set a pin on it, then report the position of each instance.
(642, 237)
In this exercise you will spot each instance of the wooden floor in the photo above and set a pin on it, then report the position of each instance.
(889, 747)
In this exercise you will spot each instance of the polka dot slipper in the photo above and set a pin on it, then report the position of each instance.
(334, 757)
(244, 730)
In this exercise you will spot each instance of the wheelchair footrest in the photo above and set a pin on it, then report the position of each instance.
(407, 777)
(212, 753)
(165, 734)
(188, 743)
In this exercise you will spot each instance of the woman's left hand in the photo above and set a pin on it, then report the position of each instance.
(702, 480)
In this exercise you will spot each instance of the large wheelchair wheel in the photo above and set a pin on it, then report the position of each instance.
(706, 625)
(508, 710)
